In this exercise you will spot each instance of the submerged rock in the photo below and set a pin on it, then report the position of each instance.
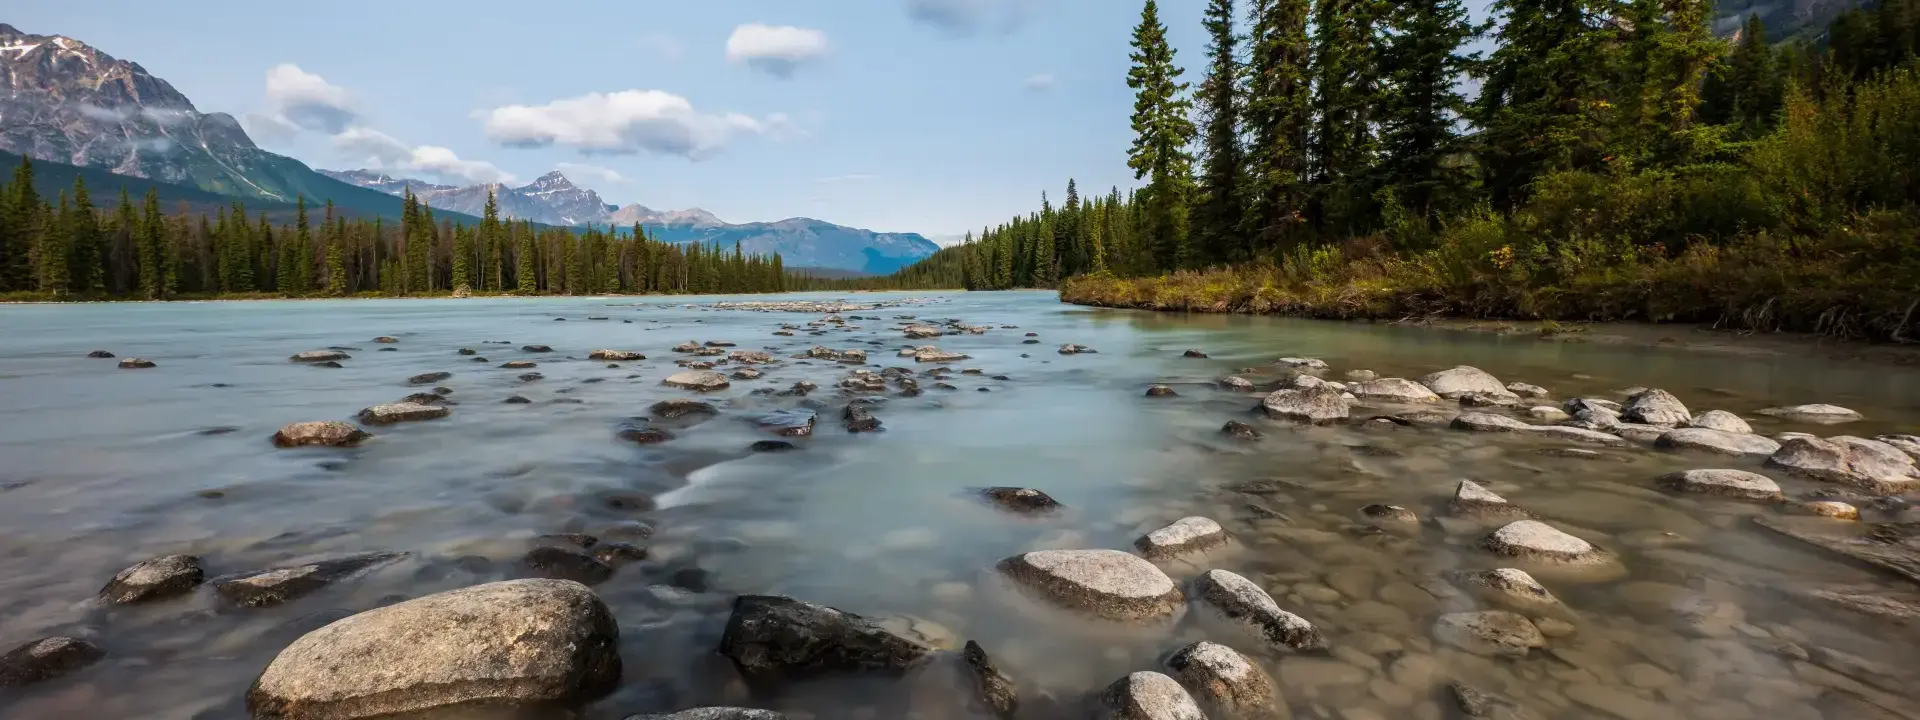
(1301, 363)
(272, 587)
(536, 348)
(560, 563)
(681, 407)
(1192, 353)
(1512, 589)
(1472, 500)
(1894, 547)
(1476, 704)
(615, 355)
(1225, 681)
(1020, 499)
(773, 640)
(1461, 380)
(1717, 441)
(1400, 390)
(714, 713)
(1823, 414)
(1737, 484)
(1655, 407)
(772, 446)
(1160, 391)
(519, 365)
(1318, 405)
(45, 659)
(859, 419)
(1106, 583)
(319, 356)
(329, 433)
(641, 435)
(697, 380)
(428, 378)
(401, 412)
(1488, 422)
(992, 688)
(155, 579)
(504, 643)
(1867, 464)
(1240, 600)
(1236, 383)
(1489, 632)
(1527, 391)
(1239, 430)
(1183, 536)
(1147, 695)
(99, 354)
(1538, 541)
(1072, 349)
(135, 363)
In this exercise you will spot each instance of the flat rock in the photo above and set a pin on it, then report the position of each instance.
(1236, 383)
(791, 422)
(1301, 363)
(329, 433)
(1105, 583)
(563, 563)
(759, 357)
(428, 378)
(1389, 515)
(1454, 382)
(615, 356)
(1147, 695)
(697, 380)
(519, 365)
(266, 588)
(1186, 535)
(929, 353)
(1242, 601)
(1512, 589)
(1538, 541)
(1870, 465)
(681, 407)
(1225, 681)
(1893, 547)
(1488, 422)
(155, 579)
(773, 640)
(1577, 434)
(1526, 391)
(45, 659)
(536, 348)
(996, 692)
(503, 643)
(1655, 407)
(313, 356)
(1909, 444)
(135, 363)
(1720, 420)
(99, 354)
(1717, 441)
(1072, 349)
(1472, 500)
(1737, 484)
(401, 412)
(1489, 632)
(1400, 390)
(1019, 499)
(1318, 405)
(1817, 413)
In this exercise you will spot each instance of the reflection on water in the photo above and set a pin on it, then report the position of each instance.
(105, 467)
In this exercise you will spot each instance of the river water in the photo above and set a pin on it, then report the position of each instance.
(104, 467)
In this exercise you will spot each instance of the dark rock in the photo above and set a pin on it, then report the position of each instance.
(428, 378)
(328, 364)
(772, 446)
(772, 640)
(1160, 391)
(519, 365)
(559, 563)
(536, 348)
(218, 430)
(628, 501)
(386, 340)
(319, 356)
(425, 399)
(578, 540)
(996, 692)
(678, 408)
(1240, 430)
(401, 412)
(388, 349)
(858, 419)
(616, 554)
(1019, 499)
(155, 579)
(46, 659)
(266, 588)
(468, 351)
(135, 363)
(1193, 354)
(516, 400)
(530, 377)
(643, 435)
(99, 354)
(481, 360)
(1476, 704)
(330, 433)
(689, 578)
(794, 422)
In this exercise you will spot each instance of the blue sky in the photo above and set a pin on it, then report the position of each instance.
(932, 116)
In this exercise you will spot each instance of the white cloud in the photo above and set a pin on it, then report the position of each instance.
(776, 50)
(380, 151)
(592, 172)
(624, 122)
(1040, 83)
(308, 100)
(269, 130)
(966, 17)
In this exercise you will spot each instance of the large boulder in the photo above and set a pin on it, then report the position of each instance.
(328, 433)
(1318, 405)
(504, 643)
(391, 413)
(1540, 542)
(45, 659)
(697, 380)
(1225, 681)
(1399, 390)
(155, 579)
(1105, 583)
(1717, 441)
(1868, 464)
(1183, 536)
(1720, 420)
(1147, 695)
(1655, 407)
(1489, 632)
(1817, 413)
(773, 640)
(1241, 601)
(1464, 379)
(1738, 484)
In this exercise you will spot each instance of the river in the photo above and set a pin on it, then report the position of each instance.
(104, 467)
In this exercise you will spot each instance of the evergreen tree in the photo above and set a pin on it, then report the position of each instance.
(462, 259)
(1542, 103)
(51, 257)
(1745, 91)
(291, 274)
(490, 233)
(336, 254)
(22, 224)
(526, 282)
(126, 233)
(1346, 71)
(1218, 212)
(1162, 133)
(1278, 114)
(1422, 156)
(85, 244)
(156, 261)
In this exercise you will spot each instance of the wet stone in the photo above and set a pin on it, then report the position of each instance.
(266, 588)
(1147, 696)
(772, 446)
(714, 713)
(1239, 430)
(156, 579)
(1817, 413)
(1489, 632)
(1389, 515)
(858, 419)
(1476, 704)
(1461, 380)
(1240, 600)
(1472, 500)
(327, 433)
(773, 640)
(1399, 390)
(680, 407)
(517, 400)
(1538, 541)
(1184, 536)
(312, 356)
(1867, 464)
(1526, 391)
(1720, 420)
(1317, 405)
(1717, 441)
(99, 354)
(1655, 407)
(615, 356)
(1160, 391)
(559, 563)
(45, 659)
(1512, 589)
(401, 412)
(1736, 484)
(1488, 422)
(1224, 681)
(530, 377)
(994, 691)
(1105, 583)
(536, 349)
(697, 380)
(519, 365)
(135, 363)
(642, 435)
(1019, 499)
(428, 378)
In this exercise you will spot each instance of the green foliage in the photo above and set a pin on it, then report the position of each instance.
(1162, 134)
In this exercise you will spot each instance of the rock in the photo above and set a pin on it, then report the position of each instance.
(1186, 535)
(46, 659)
(1737, 484)
(1655, 407)
(929, 353)
(1160, 391)
(714, 713)
(519, 364)
(504, 643)
(1488, 400)
(1147, 696)
(772, 640)
(517, 400)
(1822, 414)
(615, 356)
(1593, 413)
(755, 357)
(1239, 430)
(1361, 375)
(1512, 589)
(1575, 434)
(1318, 405)
(1538, 541)
(1020, 499)
(1389, 515)
(1826, 508)
(536, 349)
(1193, 354)
(995, 691)
(1705, 616)
(858, 419)
(330, 433)
(718, 344)
(1489, 632)
(772, 446)
(687, 347)
(156, 579)
(135, 363)
(1106, 583)
(745, 374)
(1236, 383)
(400, 412)
(1874, 466)
(311, 356)
(428, 378)
(559, 563)
(1301, 363)
(1893, 547)
(681, 407)
(1488, 422)
(386, 340)
(1241, 601)
(1072, 349)
(1547, 413)
(99, 354)
(697, 380)
(1720, 420)
(1472, 500)
(919, 332)
(1400, 390)
(1525, 390)
(1476, 704)
(641, 435)
(426, 399)
(1717, 441)
(1225, 681)
(1909, 444)
(467, 351)
(266, 588)
(1461, 380)
(530, 377)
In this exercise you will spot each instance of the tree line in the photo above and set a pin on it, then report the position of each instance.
(66, 247)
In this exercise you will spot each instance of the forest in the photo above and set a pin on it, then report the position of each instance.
(1609, 160)
(69, 248)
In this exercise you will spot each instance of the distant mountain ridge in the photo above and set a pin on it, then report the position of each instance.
(555, 200)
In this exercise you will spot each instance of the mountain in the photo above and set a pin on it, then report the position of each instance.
(1784, 19)
(66, 102)
(555, 200)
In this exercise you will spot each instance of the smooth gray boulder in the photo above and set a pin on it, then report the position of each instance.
(1105, 583)
(1737, 484)
(1241, 601)
(773, 640)
(1720, 420)
(1454, 382)
(1186, 535)
(1655, 407)
(1717, 441)
(1489, 632)
(391, 413)
(1512, 589)
(1399, 390)
(1538, 541)
(615, 355)
(1148, 695)
(1472, 500)
(1592, 413)
(697, 380)
(1488, 422)
(1816, 413)
(155, 579)
(1317, 405)
(1909, 444)
(326, 433)
(314, 356)
(45, 659)
(1226, 682)
(1873, 466)
(503, 643)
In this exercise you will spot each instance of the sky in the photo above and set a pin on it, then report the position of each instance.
(929, 116)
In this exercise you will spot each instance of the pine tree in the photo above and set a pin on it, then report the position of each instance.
(336, 254)
(1542, 105)
(126, 233)
(156, 259)
(491, 238)
(86, 273)
(1218, 211)
(291, 273)
(1746, 90)
(1277, 117)
(1162, 133)
(462, 260)
(1346, 71)
(1678, 66)
(50, 257)
(22, 226)
(420, 251)
(527, 283)
(1421, 152)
